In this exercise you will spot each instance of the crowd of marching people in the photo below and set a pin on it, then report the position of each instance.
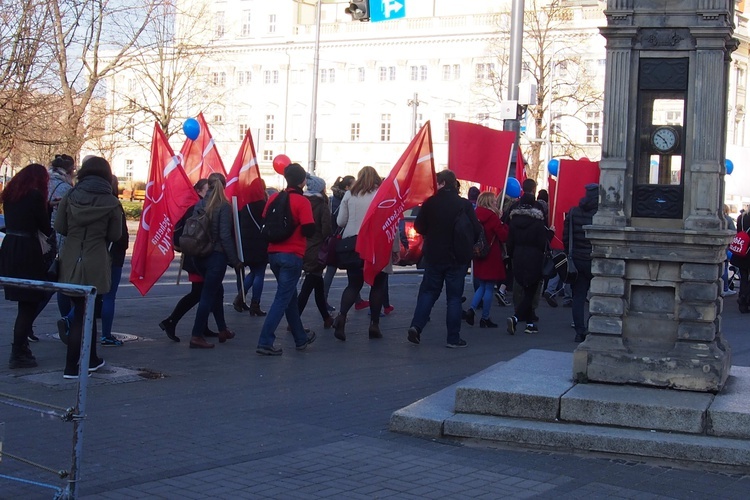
(69, 225)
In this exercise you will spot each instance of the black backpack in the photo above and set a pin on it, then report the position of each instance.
(195, 240)
(279, 225)
(463, 238)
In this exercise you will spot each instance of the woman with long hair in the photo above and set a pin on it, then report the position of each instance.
(191, 299)
(90, 218)
(254, 248)
(340, 186)
(352, 212)
(213, 267)
(21, 255)
(490, 269)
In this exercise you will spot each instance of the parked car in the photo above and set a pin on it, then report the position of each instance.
(411, 240)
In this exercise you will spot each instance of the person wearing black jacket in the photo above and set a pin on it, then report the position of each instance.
(442, 262)
(527, 241)
(581, 216)
(254, 249)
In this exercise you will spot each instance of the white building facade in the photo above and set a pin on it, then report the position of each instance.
(377, 82)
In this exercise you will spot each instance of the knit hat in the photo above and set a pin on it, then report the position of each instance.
(473, 193)
(294, 174)
(315, 184)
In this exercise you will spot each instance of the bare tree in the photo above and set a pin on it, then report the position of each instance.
(554, 60)
(84, 31)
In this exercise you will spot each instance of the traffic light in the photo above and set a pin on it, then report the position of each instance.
(360, 11)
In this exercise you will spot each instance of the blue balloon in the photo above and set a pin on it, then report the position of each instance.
(553, 166)
(513, 187)
(729, 165)
(729, 255)
(192, 128)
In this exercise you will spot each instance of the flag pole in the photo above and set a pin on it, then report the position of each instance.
(238, 246)
(507, 176)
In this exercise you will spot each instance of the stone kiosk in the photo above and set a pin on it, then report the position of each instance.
(659, 238)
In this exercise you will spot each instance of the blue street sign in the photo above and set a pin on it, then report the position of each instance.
(387, 10)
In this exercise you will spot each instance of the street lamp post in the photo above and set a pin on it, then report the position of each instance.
(312, 146)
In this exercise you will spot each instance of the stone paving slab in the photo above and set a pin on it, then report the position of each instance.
(528, 386)
(729, 414)
(636, 407)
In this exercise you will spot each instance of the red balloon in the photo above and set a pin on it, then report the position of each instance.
(280, 163)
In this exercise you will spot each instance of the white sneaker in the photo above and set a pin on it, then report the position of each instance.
(728, 292)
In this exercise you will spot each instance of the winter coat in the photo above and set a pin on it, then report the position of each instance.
(527, 241)
(120, 247)
(321, 215)
(90, 217)
(491, 268)
(254, 244)
(435, 222)
(582, 215)
(222, 229)
(21, 252)
(338, 195)
(352, 212)
(58, 186)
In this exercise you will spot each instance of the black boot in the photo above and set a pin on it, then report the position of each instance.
(339, 327)
(21, 357)
(240, 305)
(255, 309)
(169, 327)
(374, 331)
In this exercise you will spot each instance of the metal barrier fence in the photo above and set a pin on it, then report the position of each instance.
(76, 414)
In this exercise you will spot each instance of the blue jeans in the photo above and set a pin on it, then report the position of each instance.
(213, 268)
(287, 268)
(108, 303)
(429, 291)
(483, 294)
(580, 290)
(254, 281)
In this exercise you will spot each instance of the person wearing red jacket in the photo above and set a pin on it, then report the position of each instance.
(490, 269)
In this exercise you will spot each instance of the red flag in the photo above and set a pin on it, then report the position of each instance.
(479, 154)
(200, 157)
(411, 181)
(566, 191)
(243, 172)
(169, 194)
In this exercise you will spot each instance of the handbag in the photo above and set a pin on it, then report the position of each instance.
(327, 251)
(48, 245)
(346, 253)
(741, 241)
(572, 272)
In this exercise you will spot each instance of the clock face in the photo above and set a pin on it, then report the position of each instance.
(664, 139)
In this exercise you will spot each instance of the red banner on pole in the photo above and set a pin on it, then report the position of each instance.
(169, 193)
(243, 172)
(200, 157)
(567, 190)
(410, 182)
(480, 154)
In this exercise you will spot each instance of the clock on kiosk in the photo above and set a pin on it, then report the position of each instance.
(665, 139)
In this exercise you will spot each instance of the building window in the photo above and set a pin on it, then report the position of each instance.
(361, 74)
(355, 131)
(298, 76)
(328, 75)
(269, 127)
(270, 76)
(129, 170)
(218, 118)
(483, 119)
(131, 85)
(418, 73)
(485, 71)
(451, 71)
(219, 24)
(218, 78)
(268, 155)
(447, 117)
(387, 73)
(592, 127)
(130, 130)
(244, 78)
(245, 28)
(385, 127)
(674, 117)
(272, 23)
(555, 129)
(242, 127)
(392, 73)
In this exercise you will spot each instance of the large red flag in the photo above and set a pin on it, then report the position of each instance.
(566, 191)
(479, 154)
(169, 193)
(200, 157)
(411, 181)
(520, 175)
(243, 172)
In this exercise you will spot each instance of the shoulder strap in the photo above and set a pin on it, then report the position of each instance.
(252, 217)
(53, 191)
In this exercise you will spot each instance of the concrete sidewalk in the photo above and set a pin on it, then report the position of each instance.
(166, 421)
